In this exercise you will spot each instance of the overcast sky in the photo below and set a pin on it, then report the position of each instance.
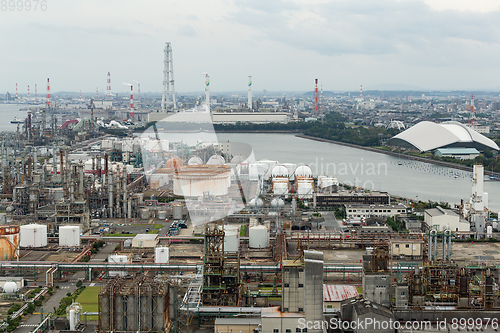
(284, 45)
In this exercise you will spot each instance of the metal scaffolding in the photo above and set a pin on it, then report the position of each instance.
(140, 304)
(221, 270)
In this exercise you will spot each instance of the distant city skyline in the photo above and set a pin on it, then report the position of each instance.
(283, 45)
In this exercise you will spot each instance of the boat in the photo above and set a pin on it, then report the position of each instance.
(17, 121)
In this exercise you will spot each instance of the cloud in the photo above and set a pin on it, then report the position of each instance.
(187, 30)
(370, 27)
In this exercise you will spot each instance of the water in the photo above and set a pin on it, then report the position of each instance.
(8, 112)
(415, 180)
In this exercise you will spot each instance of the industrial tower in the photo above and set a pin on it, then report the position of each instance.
(168, 78)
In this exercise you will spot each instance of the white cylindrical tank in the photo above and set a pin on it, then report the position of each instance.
(495, 225)
(258, 237)
(280, 186)
(33, 235)
(118, 259)
(177, 212)
(127, 243)
(162, 215)
(162, 255)
(69, 235)
(489, 231)
(305, 188)
(144, 214)
(10, 287)
(231, 243)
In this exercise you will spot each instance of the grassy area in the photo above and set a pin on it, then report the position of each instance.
(158, 226)
(153, 231)
(88, 299)
(359, 289)
(121, 235)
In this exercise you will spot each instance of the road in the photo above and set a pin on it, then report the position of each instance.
(32, 321)
(330, 223)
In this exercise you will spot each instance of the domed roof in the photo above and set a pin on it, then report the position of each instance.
(195, 160)
(303, 171)
(215, 160)
(174, 163)
(426, 136)
(238, 159)
(279, 171)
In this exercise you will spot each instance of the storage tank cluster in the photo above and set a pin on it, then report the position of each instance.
(69, 236)
(33, 235)
(277, 203)
(258, 237)
(162, 255)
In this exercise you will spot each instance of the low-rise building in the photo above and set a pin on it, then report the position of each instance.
(460, 153)
(145, 240)
(442, 218)
(375, 210)
(407, 249)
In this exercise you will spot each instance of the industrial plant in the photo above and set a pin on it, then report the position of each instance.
(128, 214)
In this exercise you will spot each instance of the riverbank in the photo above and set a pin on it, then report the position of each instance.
(409, 157)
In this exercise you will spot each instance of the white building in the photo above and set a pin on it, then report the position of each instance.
(374, 210)
(145, 240)
(445, 217)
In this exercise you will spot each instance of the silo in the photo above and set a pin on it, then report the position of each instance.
(258, 237)
(33, 235)
(231, 243)
(144, 214)
(162, 255)
(69, 235)
(9, 242)
(177, 212)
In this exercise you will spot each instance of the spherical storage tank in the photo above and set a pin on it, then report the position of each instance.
(33, 235)
(277, 203)
(10, 287)
(9, 242)
(69, 235)
(258, 237)
(162, 255)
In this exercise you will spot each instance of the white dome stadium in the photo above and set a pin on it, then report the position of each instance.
(427, 136)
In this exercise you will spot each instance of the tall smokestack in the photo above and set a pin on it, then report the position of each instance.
(131, 101)
(316, 96)
(108, 86)
(250, 93)
(207, 92)
(48, 93)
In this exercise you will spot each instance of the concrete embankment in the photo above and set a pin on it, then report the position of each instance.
(409, 157)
